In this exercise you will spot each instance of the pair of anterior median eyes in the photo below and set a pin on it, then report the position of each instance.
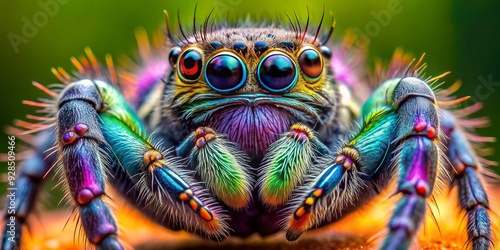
(226, 72)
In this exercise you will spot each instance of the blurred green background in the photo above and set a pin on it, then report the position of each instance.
(460, 36)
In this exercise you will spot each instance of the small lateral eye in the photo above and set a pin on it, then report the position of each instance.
(173, 56)
(311, 64)
(190, 64)
(326, 52)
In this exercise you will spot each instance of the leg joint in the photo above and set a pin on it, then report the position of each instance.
(412, 87)
(84, 90)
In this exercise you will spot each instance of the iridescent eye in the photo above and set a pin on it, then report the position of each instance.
(225, 73)
(311, 64)
(190, 65)
(276, 72)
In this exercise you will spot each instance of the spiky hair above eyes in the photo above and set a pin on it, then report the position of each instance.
(200, 35)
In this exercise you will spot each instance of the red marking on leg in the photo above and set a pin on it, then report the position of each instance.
(183, 197)
(85, 196)
(422, 188)
(214, 225)
(69, 137)
(81, 129)
(420, 125)
(431, 132)
(194, 205)
(459, 167)
(318, 192)
(299, 213)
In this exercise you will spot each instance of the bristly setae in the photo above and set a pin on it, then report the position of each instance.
(241, 130)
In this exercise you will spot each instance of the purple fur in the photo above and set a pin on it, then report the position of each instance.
(242, 123)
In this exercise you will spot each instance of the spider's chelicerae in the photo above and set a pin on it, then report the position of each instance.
(233, 131)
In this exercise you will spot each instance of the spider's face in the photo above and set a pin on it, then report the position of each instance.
(254, 83)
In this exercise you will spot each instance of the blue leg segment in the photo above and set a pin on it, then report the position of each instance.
(340, 184)
(21, 199)
(327, 181)
(150, 169)
(471, 194)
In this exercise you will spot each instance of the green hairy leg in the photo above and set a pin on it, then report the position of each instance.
(222, 166)
(286, 164)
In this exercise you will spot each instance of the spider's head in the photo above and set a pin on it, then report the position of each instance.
(251, 83)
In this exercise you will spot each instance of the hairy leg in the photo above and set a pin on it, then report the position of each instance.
(96, 126)
(400, 132)
(345, 180)
(286, 164)
(467, 172)
(84, 164)
(417, 158)
(220, 165)
(154, 180)
(29, 182)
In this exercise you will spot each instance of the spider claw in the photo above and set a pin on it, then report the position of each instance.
(291, 236)
(325, 183)
(175, 186)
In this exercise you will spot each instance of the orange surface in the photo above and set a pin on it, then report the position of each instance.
(360, 230)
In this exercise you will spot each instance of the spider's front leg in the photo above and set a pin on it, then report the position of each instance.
(96, 125)
(417, 158)
(79, 135)
(400, 132)
(30, 179)
(471, 192)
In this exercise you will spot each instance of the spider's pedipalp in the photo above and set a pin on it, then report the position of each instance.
(286, 164)
(221, 166)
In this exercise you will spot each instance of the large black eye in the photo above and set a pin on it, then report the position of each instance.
(190, 65)
(311, 64)
(225, 72)
(276, 72)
